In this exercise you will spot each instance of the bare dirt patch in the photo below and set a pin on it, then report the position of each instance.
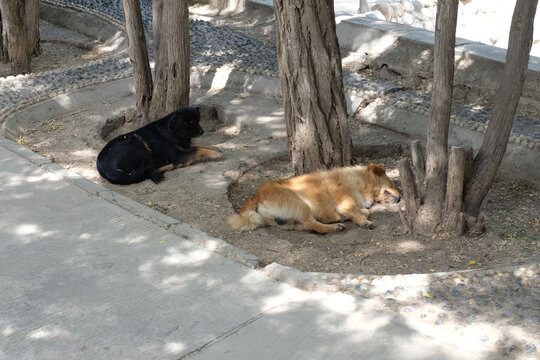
(512, 235)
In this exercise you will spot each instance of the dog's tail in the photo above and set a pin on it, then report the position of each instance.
(247, 218)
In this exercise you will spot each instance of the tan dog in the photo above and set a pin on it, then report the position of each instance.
(317, 200)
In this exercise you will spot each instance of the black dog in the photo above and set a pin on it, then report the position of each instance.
(149, 151)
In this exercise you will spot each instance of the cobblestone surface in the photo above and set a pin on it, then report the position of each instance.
(213, 47)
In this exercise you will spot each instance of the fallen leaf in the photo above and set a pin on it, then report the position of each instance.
(472, 262)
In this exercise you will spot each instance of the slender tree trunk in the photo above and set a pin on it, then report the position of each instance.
(20, 32)
(159, 95)
(3, 46)
(312, 85)
(491, 152)
(430, 212)
(138, 54)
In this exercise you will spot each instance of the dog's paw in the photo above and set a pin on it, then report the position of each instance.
(210, 152)
(367, 225)
(156, 177)
(339, 227)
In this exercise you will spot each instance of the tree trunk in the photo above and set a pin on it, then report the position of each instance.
(3, 47)
(430, 212)
(172, 54)
(178, 54)
(312, 86)
(159, 95)
(138, 54)
(31, 24)
(20, 32)
(491, 152)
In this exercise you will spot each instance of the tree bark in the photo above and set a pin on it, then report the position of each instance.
(31, 25)
(453, 213)
(410, 194)
(170, 23)
(491, 152)
(20, 32)
(3, 47)
(159, 95)
(176, 15)
(138, 54)
(312, 86)
(430, 213)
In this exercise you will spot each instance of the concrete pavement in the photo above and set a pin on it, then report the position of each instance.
(83, 278)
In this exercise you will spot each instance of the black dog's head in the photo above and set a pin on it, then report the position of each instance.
(184, 123)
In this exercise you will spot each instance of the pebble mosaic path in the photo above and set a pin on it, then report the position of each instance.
(496, 307)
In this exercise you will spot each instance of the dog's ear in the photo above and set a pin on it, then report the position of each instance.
(377, 170)
(172, 124)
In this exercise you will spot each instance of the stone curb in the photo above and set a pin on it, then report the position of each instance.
(337, 282)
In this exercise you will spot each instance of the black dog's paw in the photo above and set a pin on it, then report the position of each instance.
(156, 177)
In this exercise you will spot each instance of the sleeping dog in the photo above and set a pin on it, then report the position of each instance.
(149, 151)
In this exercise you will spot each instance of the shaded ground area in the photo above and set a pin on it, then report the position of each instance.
(60, 48)
(186, 194)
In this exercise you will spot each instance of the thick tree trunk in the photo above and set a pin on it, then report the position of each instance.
(172, 54)
(491, 152)
(20, 32)
(178, 54)
(138, 54)
(31, 24)
(430, 212)
(312, 85)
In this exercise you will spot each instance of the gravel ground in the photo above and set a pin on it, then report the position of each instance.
(212, 47)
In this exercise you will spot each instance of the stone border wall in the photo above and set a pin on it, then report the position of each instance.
(406, 52)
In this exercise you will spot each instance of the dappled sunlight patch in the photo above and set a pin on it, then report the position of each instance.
(176, 281)
(174, 348)
(131, 240)
(47, 332)
(63, 100)
(30, 232)
(12, 180)
(340, 303)
(220, 78)
(85, 153)
(88, 173)
(409, 246)
(190, 258)
(7, 330)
